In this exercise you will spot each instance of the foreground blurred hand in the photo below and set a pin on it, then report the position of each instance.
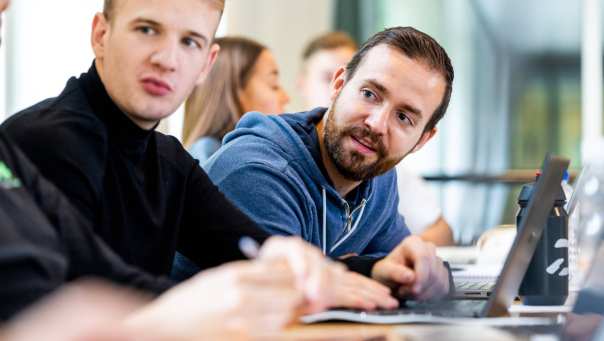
(233, 301)
(326, 283)
(250, 299)
(414, 270)
(88, 310)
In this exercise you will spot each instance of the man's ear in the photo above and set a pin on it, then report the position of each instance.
(337, 82)
(426, 136)
(214, 49)
(100, 29)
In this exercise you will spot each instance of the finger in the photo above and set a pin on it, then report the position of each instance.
(428, 292)
(306, 262)
(294, 250)
(260, 301)
(360, 298)
(404, 291)
(372, 291)
(267, 272)
(322, 273)
(379, 299)
(359, 280)
(421, 258)
(320, 289)
(355, 300)
(439, 283)
(393, 273)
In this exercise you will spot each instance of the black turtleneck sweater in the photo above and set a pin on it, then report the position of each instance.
(45, 242)
(142, 192)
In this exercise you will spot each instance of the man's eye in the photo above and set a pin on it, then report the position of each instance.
(404, 118)
(190, 42)
(147, 30)
(368, 94)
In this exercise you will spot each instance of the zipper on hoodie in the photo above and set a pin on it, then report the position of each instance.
(348, 216)
(350, 227)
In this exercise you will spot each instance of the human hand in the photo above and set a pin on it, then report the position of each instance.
(326, 283)
(84, 310)
(315, 274)
(356, 291)
(414, 269)
(234, 301)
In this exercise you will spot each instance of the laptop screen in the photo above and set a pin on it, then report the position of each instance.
(527, 237)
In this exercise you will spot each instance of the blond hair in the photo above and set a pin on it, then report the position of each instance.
(109, 7)
(213, 108)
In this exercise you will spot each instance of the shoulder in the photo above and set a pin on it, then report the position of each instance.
(66, 121)
(172, 152)
(204, 147)
(247, 156)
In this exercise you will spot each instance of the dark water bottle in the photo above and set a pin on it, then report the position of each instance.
(546, 279)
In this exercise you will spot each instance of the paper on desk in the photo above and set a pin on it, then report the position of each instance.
(538, 309)
(477, 272)
(363, 317)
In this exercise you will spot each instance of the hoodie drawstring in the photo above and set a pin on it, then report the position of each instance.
(349, 233)
(354, 226)
(324, 223)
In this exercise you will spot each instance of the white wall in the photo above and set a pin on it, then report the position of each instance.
(47, 42)
(285, 27)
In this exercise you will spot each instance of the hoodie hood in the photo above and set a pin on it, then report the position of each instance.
(294, 136)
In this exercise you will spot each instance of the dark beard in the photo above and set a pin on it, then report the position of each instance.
(351, 165)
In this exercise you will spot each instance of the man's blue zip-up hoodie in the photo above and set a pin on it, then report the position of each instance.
(271, 168)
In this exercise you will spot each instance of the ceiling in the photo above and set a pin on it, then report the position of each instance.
(534, 26)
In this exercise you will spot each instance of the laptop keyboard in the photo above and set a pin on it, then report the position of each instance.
(446, 308)
(474, 285)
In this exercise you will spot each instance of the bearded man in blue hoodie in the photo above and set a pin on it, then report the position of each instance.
(327, 174)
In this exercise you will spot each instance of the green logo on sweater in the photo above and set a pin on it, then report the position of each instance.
(7, 179)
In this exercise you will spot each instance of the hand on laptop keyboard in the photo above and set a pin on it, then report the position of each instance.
(414, 270)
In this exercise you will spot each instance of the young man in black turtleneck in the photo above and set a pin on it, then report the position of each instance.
(141, 191)
(45, 242)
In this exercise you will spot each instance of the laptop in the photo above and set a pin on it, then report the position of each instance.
(508, 282)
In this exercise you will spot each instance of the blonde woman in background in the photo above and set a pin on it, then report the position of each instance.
(244, 78)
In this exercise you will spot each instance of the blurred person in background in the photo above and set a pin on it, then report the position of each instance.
(417, 203)
(245, 77)
(321, 58)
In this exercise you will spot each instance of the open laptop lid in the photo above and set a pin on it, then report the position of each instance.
(574, 198)
(527, 237)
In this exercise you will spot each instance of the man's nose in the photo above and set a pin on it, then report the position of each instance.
(377, 120)
(166, 55)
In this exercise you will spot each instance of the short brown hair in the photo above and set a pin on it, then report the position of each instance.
(329, 41)
(415, 45)
(213, 108)
(109, 7)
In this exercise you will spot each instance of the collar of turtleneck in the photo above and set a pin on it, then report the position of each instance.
(132, 139)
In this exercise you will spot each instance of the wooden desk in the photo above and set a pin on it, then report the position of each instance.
(340, 332)
(360, 332)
